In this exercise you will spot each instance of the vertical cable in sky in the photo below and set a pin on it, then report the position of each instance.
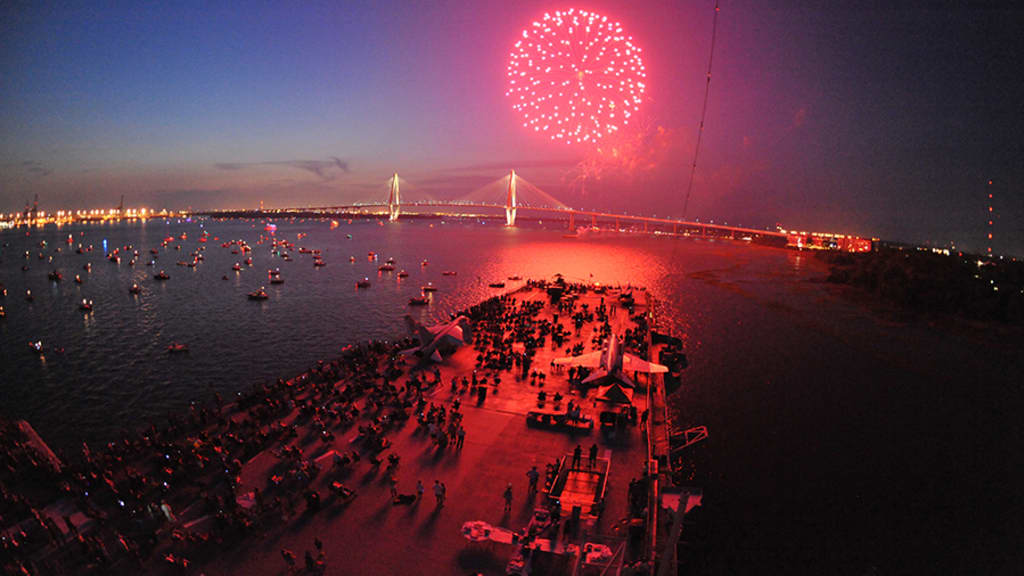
(703, 112)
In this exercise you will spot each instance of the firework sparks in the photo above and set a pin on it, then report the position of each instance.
(575, 76)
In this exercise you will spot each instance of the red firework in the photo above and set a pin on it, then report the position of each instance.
(575, 76)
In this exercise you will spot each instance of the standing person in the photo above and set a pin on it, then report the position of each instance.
(461, 434)
(577, 455)
(592, 460)
(394, 486)
(533, 475)
(439, 493)
(419, 490)
(508, 497)
(289, 559)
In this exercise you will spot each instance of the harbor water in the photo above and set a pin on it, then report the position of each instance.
(842, 438)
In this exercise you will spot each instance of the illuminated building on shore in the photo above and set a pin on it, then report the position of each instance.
(828, 241)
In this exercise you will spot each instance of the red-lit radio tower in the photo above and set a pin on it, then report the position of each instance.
(991, 217)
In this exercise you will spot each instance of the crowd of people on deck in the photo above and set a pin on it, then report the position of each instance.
(173, 493)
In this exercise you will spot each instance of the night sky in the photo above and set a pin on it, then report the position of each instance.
(878, 118)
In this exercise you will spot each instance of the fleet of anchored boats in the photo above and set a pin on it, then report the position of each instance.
(279, 247)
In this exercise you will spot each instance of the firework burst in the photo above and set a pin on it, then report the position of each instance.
(575, 76)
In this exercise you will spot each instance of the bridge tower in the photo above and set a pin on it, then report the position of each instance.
(394, 206)
(510, 200)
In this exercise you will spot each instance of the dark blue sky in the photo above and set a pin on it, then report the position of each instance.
(875, 118)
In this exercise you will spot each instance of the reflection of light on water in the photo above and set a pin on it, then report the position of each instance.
(798, 260)
(317, 311)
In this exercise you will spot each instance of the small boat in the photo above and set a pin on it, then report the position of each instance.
(403, 274)
(134, 289)
(515, 278)
(449, 273)
(421, 301)
(424, 263)
(162, 276)
(318, 263)
(87, 267)
(371, 254)
(85, 306)
(497, 284)
(352, 259)
(248, 261)
(154, 251)
(429, 287)
(176, 347)
(274, 272)
(36, 346)
(386, 268)
(364, 283)
(260, 294)
(277, 280)
(55, 276)
(29, 296)
(3, 314)
(78, 279)
(237, 267)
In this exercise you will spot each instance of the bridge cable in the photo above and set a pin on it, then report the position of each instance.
(703, 112)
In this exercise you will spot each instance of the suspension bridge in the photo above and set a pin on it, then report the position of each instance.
(513, 194)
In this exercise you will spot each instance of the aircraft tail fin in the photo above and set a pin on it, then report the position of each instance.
(467, 329)
(418, 330)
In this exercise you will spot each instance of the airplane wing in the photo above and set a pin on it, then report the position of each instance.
(632, 363)
(591, 360)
